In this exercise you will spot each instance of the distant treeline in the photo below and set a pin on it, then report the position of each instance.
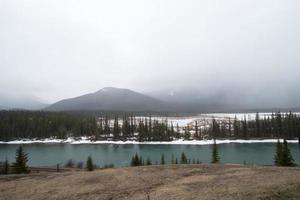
(40, 125)
(277, 125)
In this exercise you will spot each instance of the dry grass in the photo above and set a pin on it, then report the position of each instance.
(158, 182)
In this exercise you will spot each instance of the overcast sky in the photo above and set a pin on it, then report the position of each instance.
(57, 48)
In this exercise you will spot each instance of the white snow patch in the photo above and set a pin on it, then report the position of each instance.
(85, 140)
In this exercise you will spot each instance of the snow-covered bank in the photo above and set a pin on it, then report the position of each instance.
(85, 140)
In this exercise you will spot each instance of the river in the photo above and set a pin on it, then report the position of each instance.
(120, 154)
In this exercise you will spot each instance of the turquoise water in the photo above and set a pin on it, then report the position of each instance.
(120, 155)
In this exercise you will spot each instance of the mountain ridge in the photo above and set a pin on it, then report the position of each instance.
(111, 98)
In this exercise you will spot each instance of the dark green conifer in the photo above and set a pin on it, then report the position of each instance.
(162, 159)
(183, 159)
(136, 160)
(6, 166)
(215, 155)
(116, 129)
(20, 166)
(287, 158)
(89, 164)
(278, 154)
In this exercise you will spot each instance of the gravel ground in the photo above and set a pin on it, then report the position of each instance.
(157, 182)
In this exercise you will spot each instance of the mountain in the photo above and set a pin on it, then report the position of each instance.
(113, 99)
(195, 100)
(232, 99)
(8, 102)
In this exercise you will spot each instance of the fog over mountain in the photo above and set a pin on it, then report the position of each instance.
(119, 99)
(23, 101)
(112, 99)
(208, 54)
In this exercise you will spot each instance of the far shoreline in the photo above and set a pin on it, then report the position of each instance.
(85, 140)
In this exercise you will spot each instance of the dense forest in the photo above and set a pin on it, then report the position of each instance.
(61, 125)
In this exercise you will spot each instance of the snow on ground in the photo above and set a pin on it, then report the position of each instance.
(184, 121)
(85, 140)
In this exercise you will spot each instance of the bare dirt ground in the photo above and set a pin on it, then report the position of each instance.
(157, 182)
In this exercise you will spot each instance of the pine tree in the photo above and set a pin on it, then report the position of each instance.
(196, 136)
(278, 154)
(106, 127)
(6, 166)
(20, 166)
(183, 159)
(116, 129)
(162, 159)
(215, 155)
(257, 125)
(136, 160)
(89, 164)
(245, 128)
(187, 134)
(287, 158)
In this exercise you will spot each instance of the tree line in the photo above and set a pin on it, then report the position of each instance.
(61, 125)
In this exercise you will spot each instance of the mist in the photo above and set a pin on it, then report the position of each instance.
(230, 50)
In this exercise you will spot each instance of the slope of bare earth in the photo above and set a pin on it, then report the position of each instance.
(157, 182)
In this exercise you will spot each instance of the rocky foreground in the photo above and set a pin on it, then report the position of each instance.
(157, 182)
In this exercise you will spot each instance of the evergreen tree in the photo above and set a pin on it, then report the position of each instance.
(257, 125)
(187, 134)
(236, 128)
(177, 131)
(215, 155)
(196, 130)
(278, 124)
(287, 158)
(20, 166)
(183, 159)
(162, 159)
(89, 164)
(136, 160)
(116, 129)
(215, 128)
(278, 154)
(245, 128)
(106, 127)
(6, 167)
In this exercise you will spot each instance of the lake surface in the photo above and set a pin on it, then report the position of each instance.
(120, 154)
